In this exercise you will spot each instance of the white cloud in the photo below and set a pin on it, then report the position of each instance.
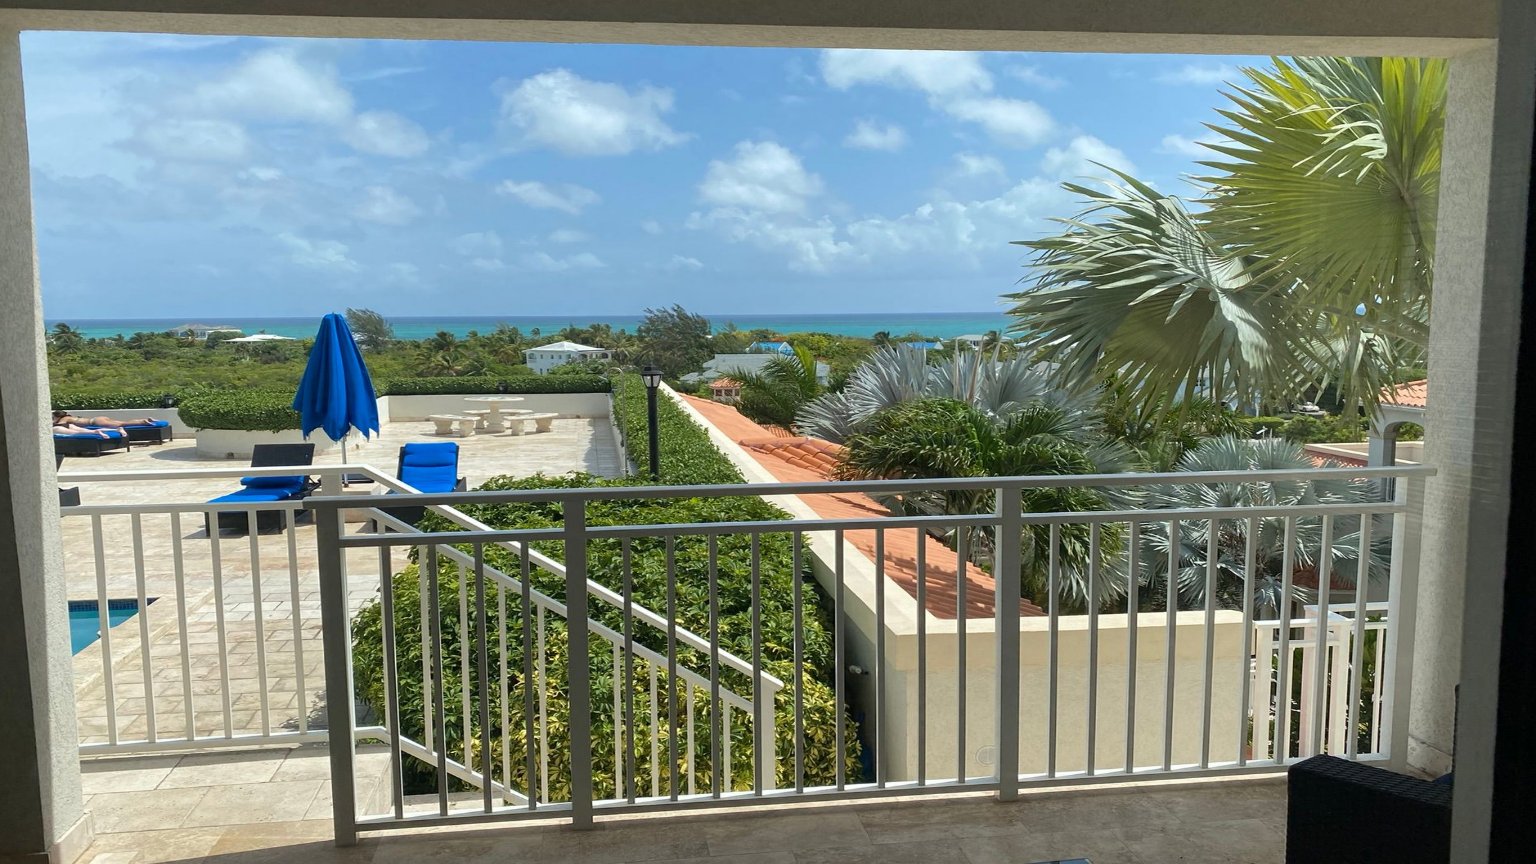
(479, 244)
(567, 198)
(319, 254)
(1076, 160)
(402, 273)
(568, 235)
(561, 110)
(274, 86)
(200, 140)
(1199, 73)
(763, 177)
(936, 73)
(869, 135)
(651, 226)
(978, 165)
(1178, 145)
(489, 265)
(1032, 76)
(1013, 122)
(683, 262)
(955, 82)
(385, 206)
(385, 133)
(544, 262)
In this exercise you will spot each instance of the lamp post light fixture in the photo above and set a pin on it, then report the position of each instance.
(652, 377)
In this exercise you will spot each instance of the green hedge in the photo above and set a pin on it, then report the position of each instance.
(687, 456)
(1271, 425)
(489, 384)
(72, 400)
(249, 410)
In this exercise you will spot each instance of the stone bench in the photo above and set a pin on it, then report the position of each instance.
(479, 415)
(541, 422)
(446, 422)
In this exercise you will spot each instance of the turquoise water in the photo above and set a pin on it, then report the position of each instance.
(85, 620)
(939, 325)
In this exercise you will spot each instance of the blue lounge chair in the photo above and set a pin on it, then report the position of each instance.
(90, 444)
(255, 490)
(427, 467)
(153, 432)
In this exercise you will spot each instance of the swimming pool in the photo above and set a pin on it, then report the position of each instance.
(85, 620)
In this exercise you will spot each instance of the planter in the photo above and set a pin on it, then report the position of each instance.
(237, 443)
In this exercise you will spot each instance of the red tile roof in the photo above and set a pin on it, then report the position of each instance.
(720, 383)
(799, 459)
(1413, 394)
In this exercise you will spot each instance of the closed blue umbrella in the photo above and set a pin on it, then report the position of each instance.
(336, 394)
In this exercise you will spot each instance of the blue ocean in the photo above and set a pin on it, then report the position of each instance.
(939, 325)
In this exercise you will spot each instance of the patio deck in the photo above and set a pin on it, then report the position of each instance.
(1228, 822)
(290, 656)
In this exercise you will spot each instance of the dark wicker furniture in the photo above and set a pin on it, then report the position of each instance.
(1344, 812)
(267, 489)
(84, 444)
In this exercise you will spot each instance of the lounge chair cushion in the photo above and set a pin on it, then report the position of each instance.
(430, 467)
(111, 433)
(292, 483)
(249, 495)
(153, 424)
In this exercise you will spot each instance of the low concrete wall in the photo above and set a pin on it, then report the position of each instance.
(237, 443)
(396, 409)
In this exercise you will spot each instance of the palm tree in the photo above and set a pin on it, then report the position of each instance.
(902, 373)
(65, 339)
(1308, 261)
(940, 438)
(1191, 556)
(777, 392)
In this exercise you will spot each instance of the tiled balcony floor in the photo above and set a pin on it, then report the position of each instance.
(1231, 822)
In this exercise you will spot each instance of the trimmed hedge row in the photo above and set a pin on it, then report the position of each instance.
(74, 400)
(248, 410)
(489, 384)
(687, 456)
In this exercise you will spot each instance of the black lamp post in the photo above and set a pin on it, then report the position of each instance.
(652, 377)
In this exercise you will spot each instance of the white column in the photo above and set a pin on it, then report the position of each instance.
(40, 803)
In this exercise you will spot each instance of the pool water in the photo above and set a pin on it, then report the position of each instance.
(85, 620)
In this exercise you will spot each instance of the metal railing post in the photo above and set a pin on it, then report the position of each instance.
(1402, 607)
(1005, 572)
(336, 633)
(578, 662)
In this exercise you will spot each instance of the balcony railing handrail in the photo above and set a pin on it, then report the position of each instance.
(1176, 478)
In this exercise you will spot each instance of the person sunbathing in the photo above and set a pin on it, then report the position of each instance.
(73, 429)
(65, 418)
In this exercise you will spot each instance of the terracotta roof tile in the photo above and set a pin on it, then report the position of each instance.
(1413, 394)
(800, 459)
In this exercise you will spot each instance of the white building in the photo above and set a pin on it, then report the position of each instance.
(546, 357)
(974, 340)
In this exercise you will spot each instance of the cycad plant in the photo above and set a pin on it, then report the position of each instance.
(941, 438)
(1307, 260)
(1192, 542)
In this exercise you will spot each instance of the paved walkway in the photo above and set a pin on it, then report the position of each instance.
(1231, 822)
(258, 623)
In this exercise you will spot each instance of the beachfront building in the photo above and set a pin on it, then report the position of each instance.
(203, 331)
(727, 390)
(971, 340)
(772, 348)
(546, 357)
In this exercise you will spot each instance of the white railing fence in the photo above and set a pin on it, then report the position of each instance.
(479, 672)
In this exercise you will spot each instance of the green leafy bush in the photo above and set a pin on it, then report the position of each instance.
(249, 410)
(688, 458)
(489, 384)
(1269, 425)
(70, 400)
(687, 455)
(1410, 432)
(1323, 430)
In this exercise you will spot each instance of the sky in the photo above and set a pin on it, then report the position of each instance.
(200, 176)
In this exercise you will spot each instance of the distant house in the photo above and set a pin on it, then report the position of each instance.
(546, 357)
(722, 365)
(926, 346)
(772, 348)
(974, 340)
(203, 331)
(727, 390)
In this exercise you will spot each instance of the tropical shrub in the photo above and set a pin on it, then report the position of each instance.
(1261, 427)
(73, 400)
(1322, 430)
(686, 454)
(249, 410)
(1231, 453)
(777, 392)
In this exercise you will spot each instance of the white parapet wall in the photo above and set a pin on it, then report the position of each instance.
(898, 739)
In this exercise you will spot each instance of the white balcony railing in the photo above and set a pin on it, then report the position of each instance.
(1145, 693)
